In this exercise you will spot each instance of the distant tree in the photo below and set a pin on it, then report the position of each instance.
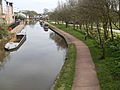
(19, 17)
(45, 11)
(31, 14)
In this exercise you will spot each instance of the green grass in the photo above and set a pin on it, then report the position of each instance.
(103, 67)
(65, 80)
(3, 31)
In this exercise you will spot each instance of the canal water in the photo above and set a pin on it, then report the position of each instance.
(35, 65)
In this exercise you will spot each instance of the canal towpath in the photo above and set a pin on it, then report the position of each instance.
(85, 72)
(18, 28)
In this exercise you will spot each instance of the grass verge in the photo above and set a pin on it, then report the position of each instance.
(103, 67)
(65, 79)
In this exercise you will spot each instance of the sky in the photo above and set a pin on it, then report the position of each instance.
(36, 5)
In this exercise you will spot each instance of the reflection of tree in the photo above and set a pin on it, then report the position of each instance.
(32, 22)
(60, 42)
(3, 54)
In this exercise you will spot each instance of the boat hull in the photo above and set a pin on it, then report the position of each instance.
(23, 39)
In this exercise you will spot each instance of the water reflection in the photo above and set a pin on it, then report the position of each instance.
(3, 54)
(60, 42)
(35, 65)
(31, 22)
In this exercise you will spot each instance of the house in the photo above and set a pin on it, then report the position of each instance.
(7, 14)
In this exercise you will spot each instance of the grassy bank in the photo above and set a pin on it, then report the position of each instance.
(3, 31)
(65, 80)
(105, 68)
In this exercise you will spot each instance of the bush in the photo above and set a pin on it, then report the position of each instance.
(3, 30)
(113, 47)
(114, 67)
(113, 52)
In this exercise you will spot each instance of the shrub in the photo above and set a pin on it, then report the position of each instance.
(113, 52)
(113, 47)
(114, 67)
(3, 30)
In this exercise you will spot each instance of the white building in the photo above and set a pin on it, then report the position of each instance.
(7, 14)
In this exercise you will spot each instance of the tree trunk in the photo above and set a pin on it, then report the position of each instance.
(101, 42)
(77, 26)
(80, 26)
(91, 26)
(74, 25)
(103, 49)
(105, 30)
(58, 22)
(112, 36)
(87, 29)
(55, 21)
(66, 24)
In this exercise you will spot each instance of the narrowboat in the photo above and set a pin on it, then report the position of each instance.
(15, 43)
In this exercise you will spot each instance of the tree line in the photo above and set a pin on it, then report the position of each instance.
(98, 18)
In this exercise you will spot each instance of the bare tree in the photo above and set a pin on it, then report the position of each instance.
(90, 14)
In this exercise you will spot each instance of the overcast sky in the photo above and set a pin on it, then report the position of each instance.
(37, 5)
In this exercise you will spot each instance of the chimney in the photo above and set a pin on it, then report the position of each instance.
(11, 7)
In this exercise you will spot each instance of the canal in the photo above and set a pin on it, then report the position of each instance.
(35, 65)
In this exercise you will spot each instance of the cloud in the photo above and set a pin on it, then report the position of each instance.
(37, 5)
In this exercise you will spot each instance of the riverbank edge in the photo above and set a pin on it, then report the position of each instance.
(69, 44)
(93, 82)
(17, 29)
